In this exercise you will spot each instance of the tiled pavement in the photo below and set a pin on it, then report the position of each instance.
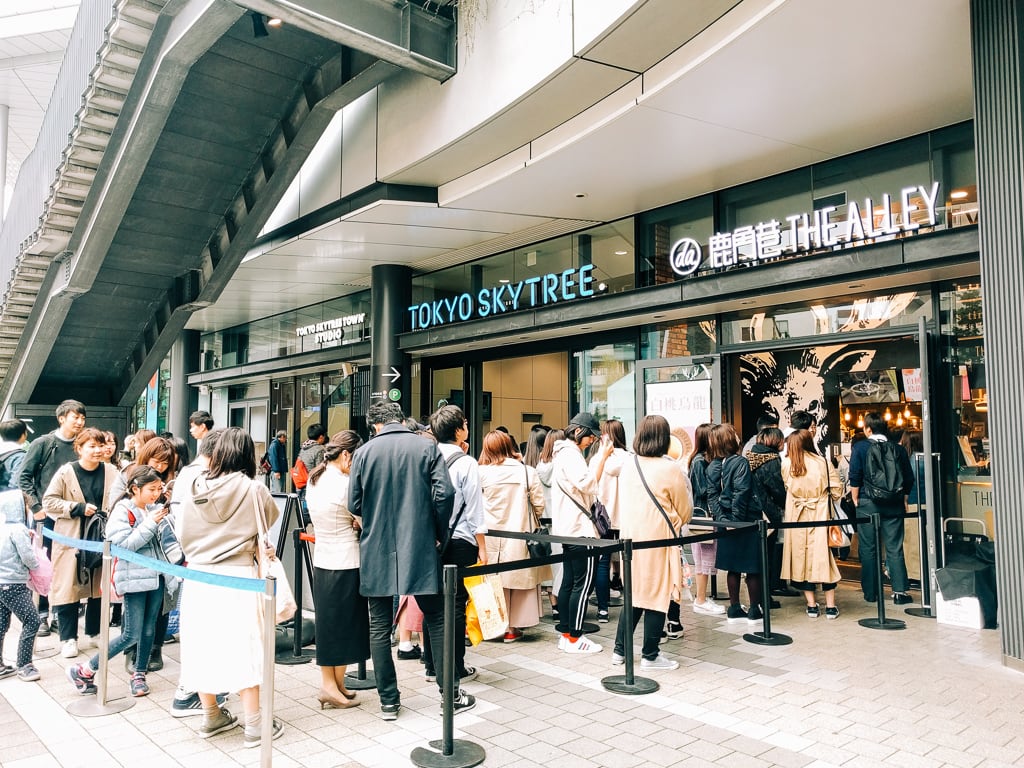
(926, 697)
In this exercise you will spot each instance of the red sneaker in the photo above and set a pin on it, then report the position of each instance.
(513, 634)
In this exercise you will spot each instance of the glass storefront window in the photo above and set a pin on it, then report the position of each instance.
(834, 315)
(604, 384)
(962, 329)
(682, 339)
(660, 229)
(335, 323)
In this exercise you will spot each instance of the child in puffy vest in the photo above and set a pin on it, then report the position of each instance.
(17, 558)
(133, 525)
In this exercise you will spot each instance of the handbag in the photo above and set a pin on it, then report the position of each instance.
(39, 578)
(267, 566)
(837, 538)
(536, 548)
(598, 514)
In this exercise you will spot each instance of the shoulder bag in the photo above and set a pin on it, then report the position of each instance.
(267, 566)
(598, 515)
(536, 548)
(837, 538)
(442, 546)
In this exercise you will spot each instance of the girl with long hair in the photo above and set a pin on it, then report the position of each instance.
(704, 552)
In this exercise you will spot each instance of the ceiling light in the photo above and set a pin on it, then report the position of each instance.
(584, 327)
(504, 281)
(259, 28)
(580, 195)
(657, 317)
(959, 194)
(621, 253)
(274, 22)
(855, 285)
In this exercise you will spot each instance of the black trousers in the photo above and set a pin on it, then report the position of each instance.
(463, 554)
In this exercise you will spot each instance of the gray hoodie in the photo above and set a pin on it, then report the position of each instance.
(16, 555)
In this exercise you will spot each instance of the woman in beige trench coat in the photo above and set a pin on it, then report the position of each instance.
(513, 501)
(812, 485)
(75, 493)
(657, 574)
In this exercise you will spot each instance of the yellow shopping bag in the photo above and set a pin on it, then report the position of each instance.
(486, 606)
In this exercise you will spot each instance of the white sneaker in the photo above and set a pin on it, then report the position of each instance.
(709, 606)
(582, 645)
(69, 648)
(661, 662)
(88, 641)
(617, 660)
(561, 642)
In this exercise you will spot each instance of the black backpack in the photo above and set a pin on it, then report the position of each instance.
(93, 529)
(883, 477)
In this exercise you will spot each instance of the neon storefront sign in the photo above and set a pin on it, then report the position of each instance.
(908, 211)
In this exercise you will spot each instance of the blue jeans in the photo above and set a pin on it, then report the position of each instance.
(141, 610)
(891, 537)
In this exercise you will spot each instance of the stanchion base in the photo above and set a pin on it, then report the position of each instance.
(921, 613)
(464, 755)
(45, 653)
(885, 624)
(640, 685)
(288, 658)
(773, 639)
(591, 627)
(91, 707)
(361, 683)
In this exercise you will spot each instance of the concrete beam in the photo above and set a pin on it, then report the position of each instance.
(400, 33)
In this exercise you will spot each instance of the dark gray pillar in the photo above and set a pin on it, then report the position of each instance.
(183, 399)
(390, 297)
(997, 52)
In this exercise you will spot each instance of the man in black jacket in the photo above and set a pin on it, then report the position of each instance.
(400, 491)
(890, 513)
(44, 457)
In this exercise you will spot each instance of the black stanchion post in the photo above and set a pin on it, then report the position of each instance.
(765, 637)
(628, 683)
(297, 654)
(454, 753)
(881, 622)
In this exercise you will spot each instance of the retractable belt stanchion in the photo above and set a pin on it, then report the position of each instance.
(297, 654)
(628, 683)
(99, 706)
(925, 611)
(765, 637)
(454, 753)
(881, 622)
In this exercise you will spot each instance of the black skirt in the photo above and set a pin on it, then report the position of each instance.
(342, 618)
(740, 553)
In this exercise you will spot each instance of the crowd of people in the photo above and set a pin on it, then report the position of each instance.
(389, 513)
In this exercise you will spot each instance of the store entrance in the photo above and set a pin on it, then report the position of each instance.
(838, 383)
(514, 393)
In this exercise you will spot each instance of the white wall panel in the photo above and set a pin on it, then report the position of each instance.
(321, 173)
(502, 56)
(359, 144)
(591, 18)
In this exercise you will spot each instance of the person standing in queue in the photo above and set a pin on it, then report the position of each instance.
(573, 490)
(45, 455)
(400, 491)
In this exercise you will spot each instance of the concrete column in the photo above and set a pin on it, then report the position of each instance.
(183, 399)
(997, 51)
(390, 297)
(5, 114)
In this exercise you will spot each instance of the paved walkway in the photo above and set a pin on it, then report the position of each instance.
(841, 695)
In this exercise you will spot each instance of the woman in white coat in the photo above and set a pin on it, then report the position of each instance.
(513, 501)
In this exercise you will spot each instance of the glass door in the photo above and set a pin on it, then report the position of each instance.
(252, 417)
(685, 390)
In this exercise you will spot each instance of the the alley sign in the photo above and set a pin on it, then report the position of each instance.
(769, 240)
